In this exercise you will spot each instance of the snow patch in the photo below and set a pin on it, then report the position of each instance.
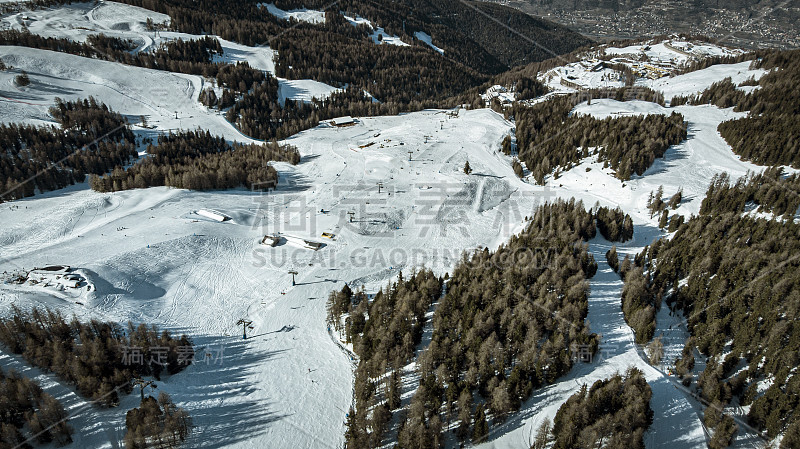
(301, 15)
(303, 90)
(425, 37)
(378, 36)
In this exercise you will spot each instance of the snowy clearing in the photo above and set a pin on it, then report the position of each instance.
(425, 37)
(303, 90)
(300, 15)
(379, 36)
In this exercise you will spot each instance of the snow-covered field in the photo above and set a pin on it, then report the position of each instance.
(379, 36)
(425, 37)
(151, 258)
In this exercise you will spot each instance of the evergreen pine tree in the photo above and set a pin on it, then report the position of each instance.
(480, 430)
(394, 391)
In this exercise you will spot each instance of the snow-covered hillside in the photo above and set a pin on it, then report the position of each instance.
(171, 267)
(150, 257)
(168, 101)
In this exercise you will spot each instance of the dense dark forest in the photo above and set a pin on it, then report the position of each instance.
(259, 114)
(614, 224)
(250, 96)
(474, 35)
(92, 140)
(504, 328)
(769, 191)
(199, 161)
(614, 412)
(769, 133)
(28, 414)
(736, 280)
(550, 139)
(385, 333)
(157, 423)
(100, 359)
(335, 52)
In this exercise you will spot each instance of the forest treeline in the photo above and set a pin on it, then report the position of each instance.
(614, 224)
(385, 333)
(92, 140)
(551, 139)
(511, 321)
(249, 96)
(770, 134)
(404, 79)
(99, 358)
(28, 414)
(736, 280)
(614, 413)
(198, 160)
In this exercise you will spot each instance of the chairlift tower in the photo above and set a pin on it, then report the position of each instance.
(351, 214)
(293, 273)
(142, 384)
(380, 186)
(246, 324)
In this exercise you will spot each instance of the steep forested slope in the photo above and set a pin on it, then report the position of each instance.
(485, 38)
(735, 279)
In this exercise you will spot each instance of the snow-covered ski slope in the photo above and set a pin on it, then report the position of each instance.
(291, 381)
(81, 20)
(168, 101)
(153, 259)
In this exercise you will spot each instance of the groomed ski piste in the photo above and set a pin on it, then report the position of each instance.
(151, 259)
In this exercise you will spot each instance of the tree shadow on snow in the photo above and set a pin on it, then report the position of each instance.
(217, 390)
